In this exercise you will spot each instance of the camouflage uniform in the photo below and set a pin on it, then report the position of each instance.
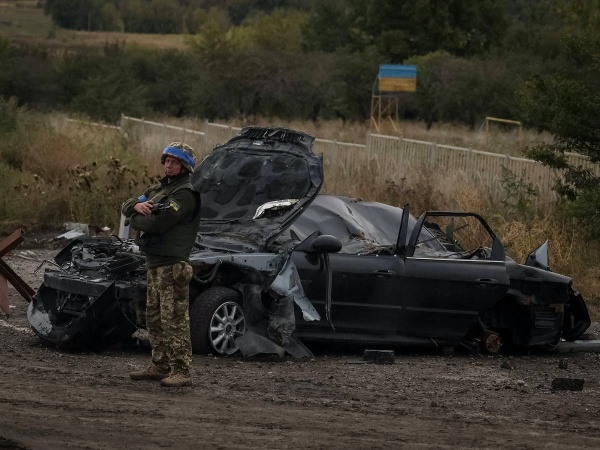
(167, 239)
(167, 316)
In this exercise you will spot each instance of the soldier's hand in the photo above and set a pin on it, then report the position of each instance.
(144, 208)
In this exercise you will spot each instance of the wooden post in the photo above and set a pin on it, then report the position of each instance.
(4, 304)
(6, 245)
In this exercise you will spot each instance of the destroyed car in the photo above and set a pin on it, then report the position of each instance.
(276, 264)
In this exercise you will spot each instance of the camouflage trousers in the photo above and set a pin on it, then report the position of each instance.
(168, 317)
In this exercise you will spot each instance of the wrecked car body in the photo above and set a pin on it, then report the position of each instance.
(442, 279)
(276, 264)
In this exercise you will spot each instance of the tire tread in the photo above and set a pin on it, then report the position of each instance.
(201, 311)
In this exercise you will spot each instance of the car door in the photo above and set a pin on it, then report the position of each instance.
(364, 291)
(448, 289)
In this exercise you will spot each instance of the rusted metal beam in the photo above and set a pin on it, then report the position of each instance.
(22, 288)
(6, 245)
(11, 241)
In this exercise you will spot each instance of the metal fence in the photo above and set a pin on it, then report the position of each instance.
(152, 137)
(482, 168)
(392, 157)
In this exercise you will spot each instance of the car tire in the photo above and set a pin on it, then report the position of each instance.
(216, 319)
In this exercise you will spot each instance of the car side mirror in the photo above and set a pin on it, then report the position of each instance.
(539, 257)
(326, 244)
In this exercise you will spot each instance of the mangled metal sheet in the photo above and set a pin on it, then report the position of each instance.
(362, 227)
(287, 283)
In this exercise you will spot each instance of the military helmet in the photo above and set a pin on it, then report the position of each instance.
(183, 152)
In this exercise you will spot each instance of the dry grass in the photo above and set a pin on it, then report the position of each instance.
(69, 172)
(507, 141)
(51, 153)
(23, 21)
(570, 254)
(98, 38)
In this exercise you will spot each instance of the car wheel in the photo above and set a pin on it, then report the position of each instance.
(492, 343)
(216, 320)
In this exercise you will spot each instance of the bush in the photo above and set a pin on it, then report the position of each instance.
(9, 115)
(68, 173)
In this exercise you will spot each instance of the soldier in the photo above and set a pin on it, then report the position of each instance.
(167, 217)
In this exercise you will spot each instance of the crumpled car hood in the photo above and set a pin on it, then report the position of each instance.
(254, 186)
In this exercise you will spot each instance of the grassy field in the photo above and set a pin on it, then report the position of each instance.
(23, 21)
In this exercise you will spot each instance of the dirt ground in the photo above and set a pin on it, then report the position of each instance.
(55, 399)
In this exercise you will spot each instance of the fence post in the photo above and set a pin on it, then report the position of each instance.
(143, 133)
(507, 165)
(469, 164)
(433, 155)
(122, 126)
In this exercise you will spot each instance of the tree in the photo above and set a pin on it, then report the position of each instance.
(169, 78)
(402, 29)
(26, 73)
(454, 89)
(329, 28)
(102, 83)
(567, 104)
(75, 14)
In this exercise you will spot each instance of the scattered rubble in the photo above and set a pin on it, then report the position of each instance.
(563, 364)
(567, 384)
(379, 356)
(506, 365)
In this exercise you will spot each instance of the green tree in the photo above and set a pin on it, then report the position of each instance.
(454, 89)
(329, 28)
(402, 29)
(26, 73)
(75, 14)
(169, 77)
(567, 104)
(104, 84)
(348, 92)
(110, 19)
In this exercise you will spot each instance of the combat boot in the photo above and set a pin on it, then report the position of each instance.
(178, 379)
(151, 373)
